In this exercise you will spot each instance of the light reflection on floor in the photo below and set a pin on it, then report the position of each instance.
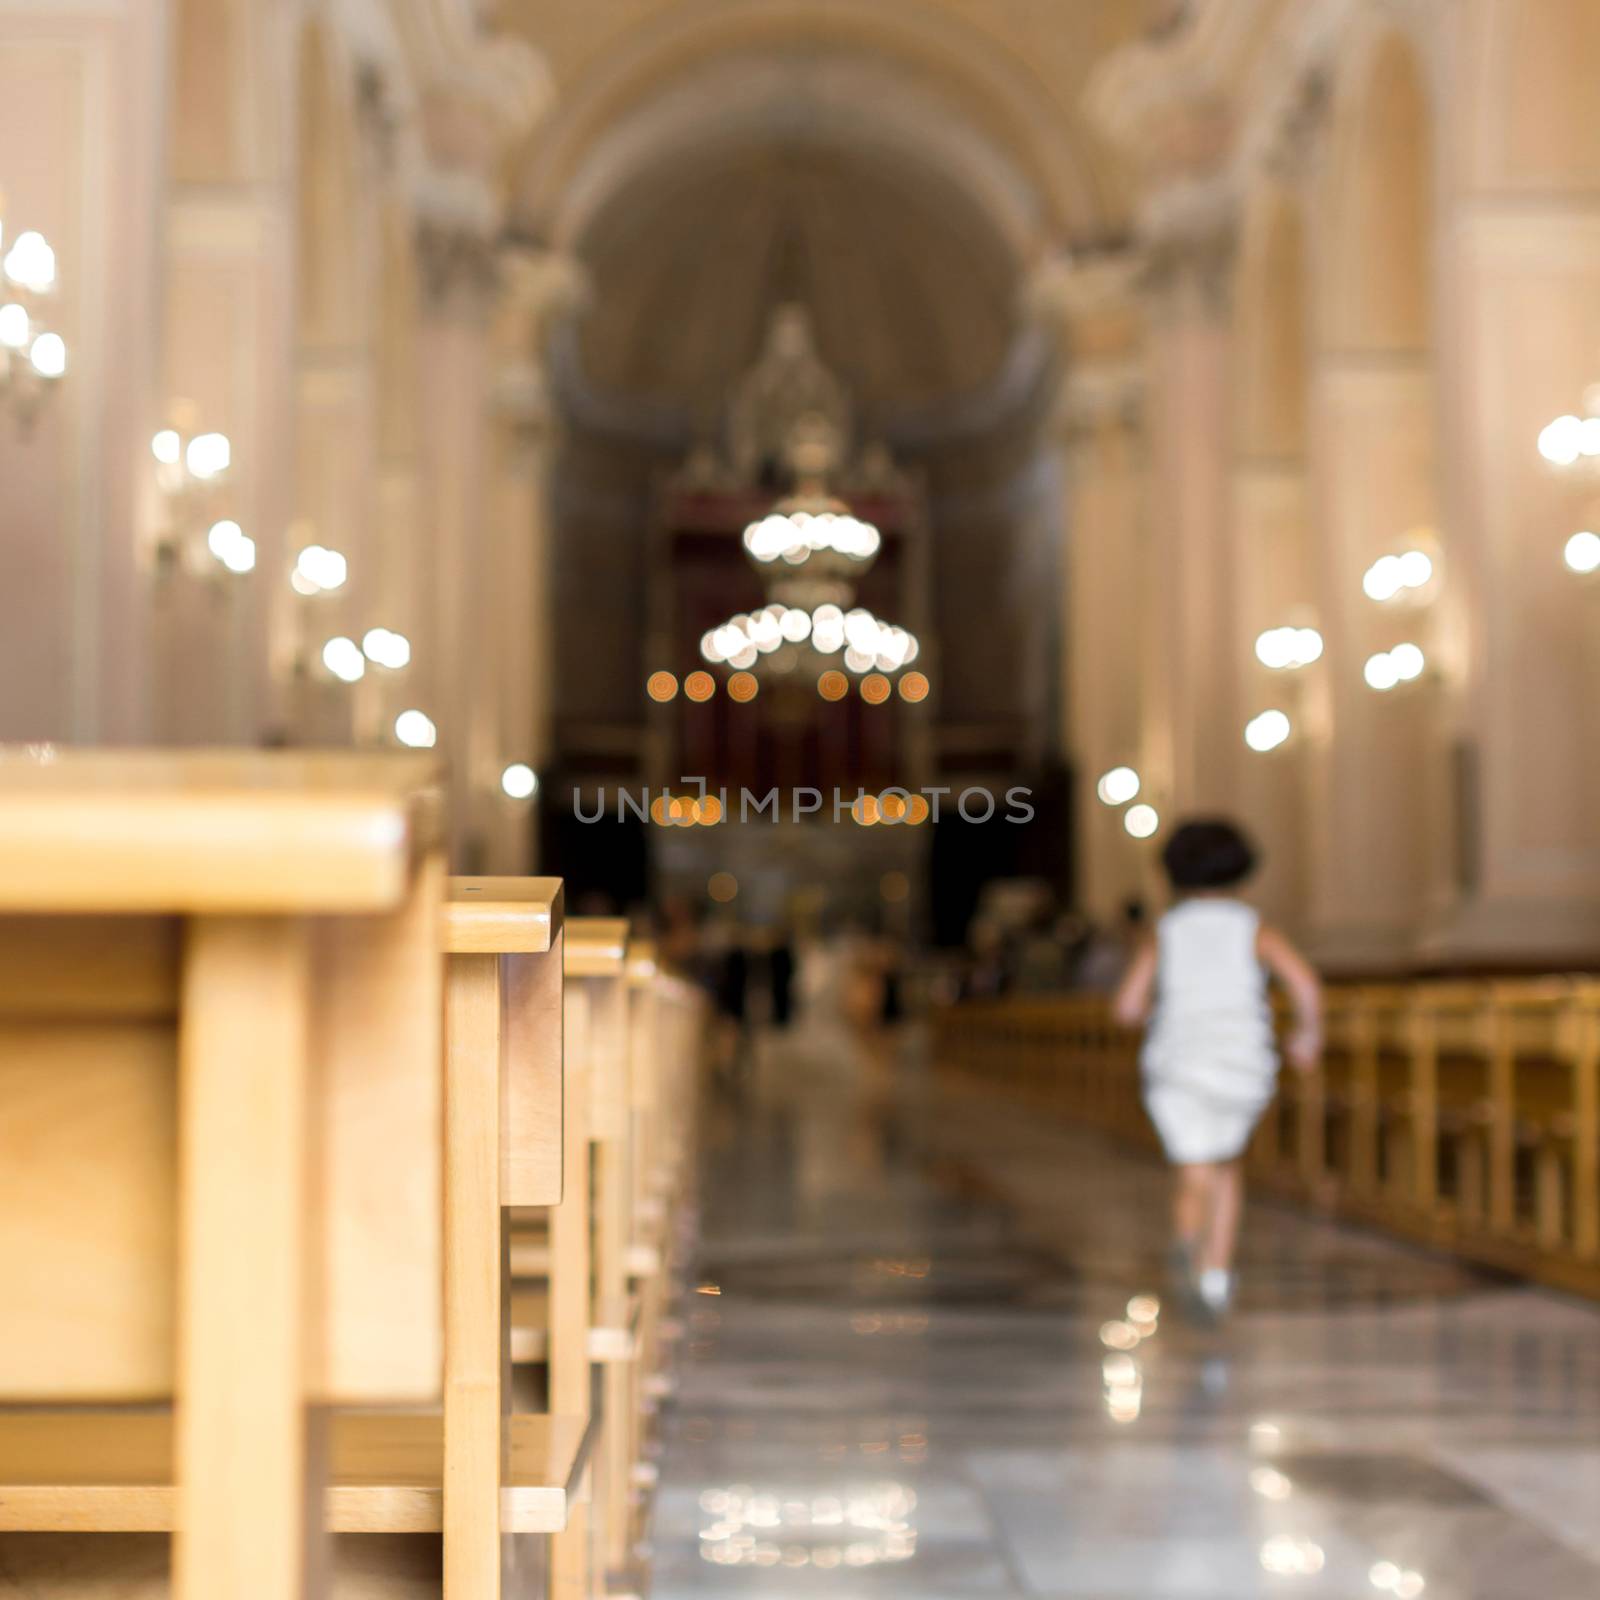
(937, 1364)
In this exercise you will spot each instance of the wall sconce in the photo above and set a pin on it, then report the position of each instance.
(191, 467)
(33, 358)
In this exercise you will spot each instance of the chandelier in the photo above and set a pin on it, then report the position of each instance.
(810, 552)
(32, 356)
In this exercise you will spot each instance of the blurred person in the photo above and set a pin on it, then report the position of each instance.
(730, 992)
(780, 975)
(984, 975)
(1107, 952)
(1210, 1062)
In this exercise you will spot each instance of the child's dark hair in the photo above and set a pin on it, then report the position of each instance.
(1208, 853)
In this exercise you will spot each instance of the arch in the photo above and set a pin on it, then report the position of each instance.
(861, 61)
(1379, 246)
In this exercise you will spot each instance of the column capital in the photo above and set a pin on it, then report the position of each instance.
(1097, 399)
(456, 227)
(1190, 230)
(1089, 304)
(539, 292)
(539, 289)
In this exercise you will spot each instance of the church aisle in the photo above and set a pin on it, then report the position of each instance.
(904, 1374)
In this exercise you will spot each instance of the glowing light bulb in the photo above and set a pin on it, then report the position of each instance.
(1582, 552)
(208, 455)
(342, 657)
(14, 326)
(1416, 569)
(1384, 579)
(167, 447)
(49, 355)
(317, 568)
(229, 543)
(30, 263)
(1561, 441)
(519, 781)
(385, 648)
(1267, 731)
(1141, 821)
(416, 729)
(1285, 649)
(1380, 672)
(1118, 786)
(1407, 661)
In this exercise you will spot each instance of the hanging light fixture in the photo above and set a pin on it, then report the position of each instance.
(811, 551)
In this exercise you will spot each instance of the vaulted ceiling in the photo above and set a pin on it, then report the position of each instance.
(896, 166)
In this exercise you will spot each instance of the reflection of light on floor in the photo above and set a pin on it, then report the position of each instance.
(1270, 1484)
(1144, 1312)
(864, 1527)
(1295, 1558)
(1123, 1379)
(1396, 1580)
(1124, 1387)
(1265, 1436)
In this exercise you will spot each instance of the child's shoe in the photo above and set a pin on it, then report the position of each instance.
(1213, 1289)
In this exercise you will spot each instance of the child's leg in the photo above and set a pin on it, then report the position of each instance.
(1191, 1203)
(1221, 1233)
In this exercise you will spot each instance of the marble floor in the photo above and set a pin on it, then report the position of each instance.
(924, 1357)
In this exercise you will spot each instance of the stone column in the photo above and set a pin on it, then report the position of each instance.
(82, 119)
(1096, 432)
(1521, 342)
(1373, 469)
(1194, 710)
(1274, 586)
(537, 289)
(453, 654)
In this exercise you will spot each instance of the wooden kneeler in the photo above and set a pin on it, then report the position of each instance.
(220, 1144)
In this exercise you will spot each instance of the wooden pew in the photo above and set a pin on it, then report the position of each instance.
(638, 1028)
(506, 1147)
(472, 1472)
(220, 1150)
(1462, 1114)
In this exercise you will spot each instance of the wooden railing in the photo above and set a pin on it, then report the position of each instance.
(1462, 1114)
(280, 1106)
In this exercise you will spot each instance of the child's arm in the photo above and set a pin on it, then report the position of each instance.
(1304, 1045)
(1131, 1003)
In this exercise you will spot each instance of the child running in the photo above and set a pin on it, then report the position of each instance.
(1209, 1059)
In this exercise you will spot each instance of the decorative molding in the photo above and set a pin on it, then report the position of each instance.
(1190, 233)
(454, 55)
(1193, 59)
(1094, 398)
(540, 289)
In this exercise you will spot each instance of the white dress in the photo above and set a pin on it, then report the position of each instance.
(1209, 1059)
